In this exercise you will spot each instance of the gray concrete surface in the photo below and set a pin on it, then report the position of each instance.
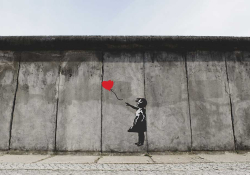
(70, 159)
(170, 159)
(152, 158)
(90, 118)
(227, 157)
(36, 101)
(79, 108)
(238, 66)
(126, 70)
(168, 119)
(179, 164)
(209, 102)
(9, 63)
(127, 169)
(211, 169)
(125, 159)
(22, 158)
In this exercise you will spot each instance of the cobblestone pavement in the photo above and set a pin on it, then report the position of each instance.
(124, 169)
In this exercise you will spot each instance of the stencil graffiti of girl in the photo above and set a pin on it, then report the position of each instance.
(139, 124)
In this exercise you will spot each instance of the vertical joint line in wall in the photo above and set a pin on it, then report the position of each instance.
(102, 55)
(14, 101)
(57, 104)
(231, 106)
(189, 111)
(144, 84)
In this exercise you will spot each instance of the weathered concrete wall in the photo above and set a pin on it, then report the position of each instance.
(51, 96)
(126, 70)
(79, 108)
(209, 102)
(167, 110)
(9, 63)
(34, 117)
(238, 66)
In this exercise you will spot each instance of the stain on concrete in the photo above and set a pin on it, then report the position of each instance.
(35, 109)
(79, 108)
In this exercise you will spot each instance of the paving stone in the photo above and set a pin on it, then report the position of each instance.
(71, 159)
(125, 159)
(227, 157)
(177, 158)
(22, 158)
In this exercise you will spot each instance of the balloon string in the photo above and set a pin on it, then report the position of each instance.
(116, 95)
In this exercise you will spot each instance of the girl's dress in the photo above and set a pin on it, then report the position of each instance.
(139, 124)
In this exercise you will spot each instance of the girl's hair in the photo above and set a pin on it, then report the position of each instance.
(142, 102)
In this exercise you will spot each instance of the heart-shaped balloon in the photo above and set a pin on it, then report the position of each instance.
(107, 84)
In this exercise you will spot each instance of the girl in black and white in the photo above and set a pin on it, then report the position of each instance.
(139, 124)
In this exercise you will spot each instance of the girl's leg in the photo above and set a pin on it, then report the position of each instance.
(141, 137)
(138, 139)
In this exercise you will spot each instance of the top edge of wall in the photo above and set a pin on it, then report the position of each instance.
(133, 43)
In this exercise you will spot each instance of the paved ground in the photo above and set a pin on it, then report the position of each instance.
(228, 163)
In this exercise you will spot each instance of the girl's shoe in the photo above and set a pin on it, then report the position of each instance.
(139, 144)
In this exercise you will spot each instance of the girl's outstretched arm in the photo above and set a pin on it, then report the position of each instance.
(131, 106)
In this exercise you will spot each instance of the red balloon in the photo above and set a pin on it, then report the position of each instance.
(107, 84)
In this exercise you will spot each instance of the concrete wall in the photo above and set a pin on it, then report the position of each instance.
(79, 107)
(35, 112)
(126, 70)
(167, 95)
(9, 63)
(238, 66)
(210, 108)
(52, 99)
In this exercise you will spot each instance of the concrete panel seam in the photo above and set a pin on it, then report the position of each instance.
(44, 159)
(231, 105)
(189, 110)
(96, 161)
(57, 103)
(14, 100)
(102, 57)
(151, 158)
(144, 84)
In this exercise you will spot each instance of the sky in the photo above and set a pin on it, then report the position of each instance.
(125, 17)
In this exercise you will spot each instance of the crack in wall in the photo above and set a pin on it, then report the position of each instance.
(189, 110)
(14, 101)
(57, 104)
(102, 75)
(231, 105)
(144, 84)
